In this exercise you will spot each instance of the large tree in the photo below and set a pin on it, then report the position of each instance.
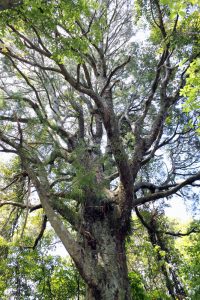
(96, 120)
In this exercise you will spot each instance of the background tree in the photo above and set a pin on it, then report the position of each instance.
(93, 116)
(37, 274)
(158, 273)
(189, 247)
(30, 268)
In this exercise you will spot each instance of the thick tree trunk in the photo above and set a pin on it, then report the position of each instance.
(113, 285)
(113, 282)
(104, 254)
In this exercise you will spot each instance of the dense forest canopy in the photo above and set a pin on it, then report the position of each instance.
(101, 124)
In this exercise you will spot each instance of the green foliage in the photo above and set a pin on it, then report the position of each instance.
(40, 15)
(151, 259)
(158, 295)
(137, 287)
(182, 23)
(52, 277)
(48, 42)
(190, 247)
(192, 90)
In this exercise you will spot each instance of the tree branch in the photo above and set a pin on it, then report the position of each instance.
(13, 119)
(21, 205)
(167, 193)
(150, 228)
(180, 234)
(40, 235)
(113, 73)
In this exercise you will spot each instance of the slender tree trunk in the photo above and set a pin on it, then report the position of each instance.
(173, 283)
